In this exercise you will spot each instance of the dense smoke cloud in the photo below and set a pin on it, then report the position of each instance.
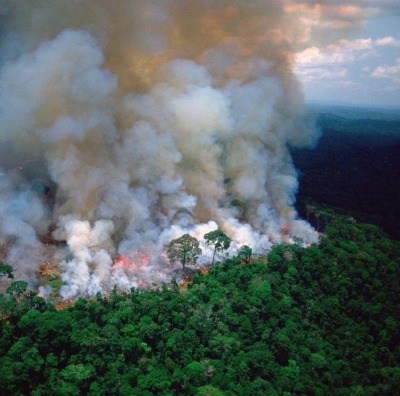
(126, 124)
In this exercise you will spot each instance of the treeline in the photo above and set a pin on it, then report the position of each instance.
(321, 320)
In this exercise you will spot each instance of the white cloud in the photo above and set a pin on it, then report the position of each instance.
(360, 69)
(388, 41)
(321, 74)
(314, 56)
(354, 45)
(341, 52)
(391, 72)
(333, 61)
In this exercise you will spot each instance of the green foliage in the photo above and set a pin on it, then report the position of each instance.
(184, 249)
(209, 390)
(321, 320)
(55, 282)
(219, 240)
(6, 269)
(17, 288)
(354, 168)
(245, 253)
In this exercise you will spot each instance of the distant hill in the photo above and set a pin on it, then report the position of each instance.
(354, 112)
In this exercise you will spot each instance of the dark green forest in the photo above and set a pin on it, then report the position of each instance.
(319, 320)
(354, 168)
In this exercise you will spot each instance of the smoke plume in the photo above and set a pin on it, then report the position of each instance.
(124, 124)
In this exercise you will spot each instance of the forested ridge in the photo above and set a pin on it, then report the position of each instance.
(317, 320)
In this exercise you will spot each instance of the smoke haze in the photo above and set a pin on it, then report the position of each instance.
(125, 124)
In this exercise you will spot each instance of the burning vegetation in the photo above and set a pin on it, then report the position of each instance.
(136, 123)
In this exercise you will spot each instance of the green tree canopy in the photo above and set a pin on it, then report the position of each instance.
(245, 253)
(17, 288)
(184, 249)
(219, 240)
(6, 269)
(315, 320)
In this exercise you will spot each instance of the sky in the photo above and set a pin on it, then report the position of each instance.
(352, 52)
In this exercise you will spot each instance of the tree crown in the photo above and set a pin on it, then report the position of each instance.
(184, 249)
(218, 239)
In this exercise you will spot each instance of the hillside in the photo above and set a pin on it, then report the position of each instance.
(303, 321)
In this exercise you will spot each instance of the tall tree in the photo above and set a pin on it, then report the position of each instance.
(245, 253)
(219, 240)
(184, 249)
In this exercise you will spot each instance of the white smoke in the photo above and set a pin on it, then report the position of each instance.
(146, 120)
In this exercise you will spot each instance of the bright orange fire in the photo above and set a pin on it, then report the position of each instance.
(133, 263)
(123, 261)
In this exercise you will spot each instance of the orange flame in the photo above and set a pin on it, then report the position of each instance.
(123, 261)
(134, 262)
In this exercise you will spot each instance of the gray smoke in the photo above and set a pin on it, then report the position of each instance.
(125, 124)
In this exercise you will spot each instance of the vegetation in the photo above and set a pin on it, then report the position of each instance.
(6, 269)
(184, 249)
(219, 240)
(245, 253)
(321, 320)
(17, 288)
(353, 169)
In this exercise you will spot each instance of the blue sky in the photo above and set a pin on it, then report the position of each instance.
(352, 52)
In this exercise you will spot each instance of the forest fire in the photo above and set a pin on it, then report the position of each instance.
(144, 131)
(133, 262)
(135, 265)
(63, 304)
(48, 269)
(285, 228)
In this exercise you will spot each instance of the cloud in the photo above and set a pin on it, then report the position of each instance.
(322, 74)
(361, 69)
(341, 52)
(314, 56)
(388, 41)
(338, 15)
(383, 7)
(391, 72)
(324, 20)
(354, 45)
(332, 61)
(328, 53)
(347, 8)
(314, 19)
